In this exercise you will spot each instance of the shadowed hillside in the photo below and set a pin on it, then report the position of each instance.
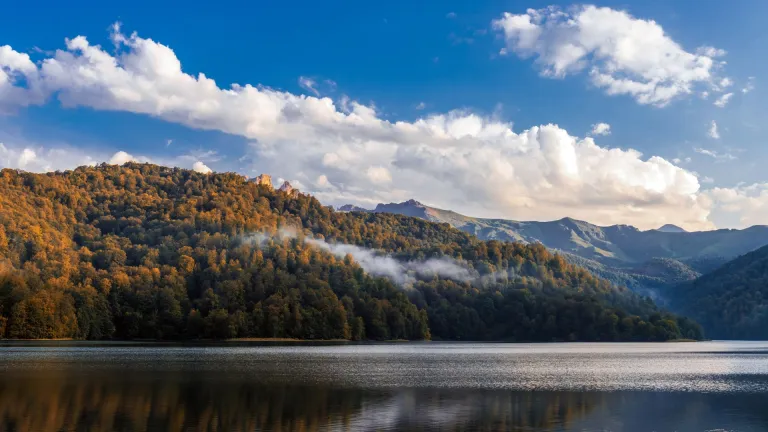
(732, 301)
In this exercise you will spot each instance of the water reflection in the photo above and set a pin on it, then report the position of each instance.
(95, 402)
(216, 389)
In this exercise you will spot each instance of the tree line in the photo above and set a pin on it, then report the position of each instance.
(143, 251)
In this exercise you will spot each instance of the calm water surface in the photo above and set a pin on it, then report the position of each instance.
(711, 386)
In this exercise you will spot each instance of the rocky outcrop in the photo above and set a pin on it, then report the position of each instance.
(289, 190)
(263, 179)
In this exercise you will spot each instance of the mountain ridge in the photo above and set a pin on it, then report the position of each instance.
(642, 260)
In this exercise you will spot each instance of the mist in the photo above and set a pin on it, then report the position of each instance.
(377, 262)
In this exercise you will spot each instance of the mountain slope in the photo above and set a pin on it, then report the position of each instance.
(142, 251)
(623, 254)
(732, 301)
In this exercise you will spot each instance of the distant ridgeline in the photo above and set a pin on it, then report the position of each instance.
(143, 251)
(647, 262)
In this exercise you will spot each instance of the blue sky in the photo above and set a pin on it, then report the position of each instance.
(405, 63)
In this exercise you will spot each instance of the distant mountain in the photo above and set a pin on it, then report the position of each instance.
(351, 208)
(671, 228)
(623, 254)
(732, 301)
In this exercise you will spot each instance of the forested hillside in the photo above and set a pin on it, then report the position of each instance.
(142, 251)
(732, 301)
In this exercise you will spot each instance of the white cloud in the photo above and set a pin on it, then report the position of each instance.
(20, 154)
(749, 86)
(714, 154)
(15, 68)
(201, 168)
(601, 129)
(421, 106)
(706, 179)
(623, 54)
(379, 175)
(712, 132)
(121, 158)
(308, 84)
(709, 51)
(740, 206)
(39, 159)
(725, 83)
(450, 15)
(344, 152)
(723, 100)
(26, 157)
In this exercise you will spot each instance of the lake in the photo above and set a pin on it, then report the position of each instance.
(707, 386)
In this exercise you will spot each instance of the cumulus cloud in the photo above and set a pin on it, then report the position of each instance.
(601, 129)
(723, 100)
(713, 132)
(121, 158)
(17, 68)
(740, 206)
(622, 54)
(39, 159)
(379, 174)
(17, 153)
(201, 168)
(345, 152)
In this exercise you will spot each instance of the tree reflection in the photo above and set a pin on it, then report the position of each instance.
(55, 400)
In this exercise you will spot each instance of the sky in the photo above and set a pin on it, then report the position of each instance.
(641, 113)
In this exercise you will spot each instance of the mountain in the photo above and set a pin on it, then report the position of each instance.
(351, 208)
(671, 228)
(143, 251)
(730, 302)
(642, 260)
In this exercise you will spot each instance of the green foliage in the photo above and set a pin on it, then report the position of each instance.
(732, 301)
(143, 251)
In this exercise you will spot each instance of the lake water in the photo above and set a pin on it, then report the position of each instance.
(709, 386)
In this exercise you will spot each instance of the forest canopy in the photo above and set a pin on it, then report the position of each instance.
(144, 251)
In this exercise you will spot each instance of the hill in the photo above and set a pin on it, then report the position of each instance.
(642, 260)
(732, 301)
(143, 251)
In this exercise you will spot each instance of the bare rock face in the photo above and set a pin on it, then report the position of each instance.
(263, 179)
(289, 190)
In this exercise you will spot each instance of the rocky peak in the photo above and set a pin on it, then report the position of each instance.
(263, 179)
(413, 202)
(288, 189)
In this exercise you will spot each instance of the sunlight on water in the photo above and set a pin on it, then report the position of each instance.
(413, 386)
